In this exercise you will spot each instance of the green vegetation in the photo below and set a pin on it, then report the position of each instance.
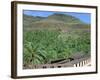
(54, 37)
(42, 46)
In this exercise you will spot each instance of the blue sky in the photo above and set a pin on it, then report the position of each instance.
(85, 17)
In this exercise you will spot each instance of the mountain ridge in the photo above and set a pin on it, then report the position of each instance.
(53, 21)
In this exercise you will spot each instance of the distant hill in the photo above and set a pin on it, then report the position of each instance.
(64, 17)
(54, 21)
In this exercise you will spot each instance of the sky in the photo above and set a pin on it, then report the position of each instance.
(84, 17)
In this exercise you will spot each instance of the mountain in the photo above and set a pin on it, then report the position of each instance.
(27, 20)
(64, 17)
(54, 21)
